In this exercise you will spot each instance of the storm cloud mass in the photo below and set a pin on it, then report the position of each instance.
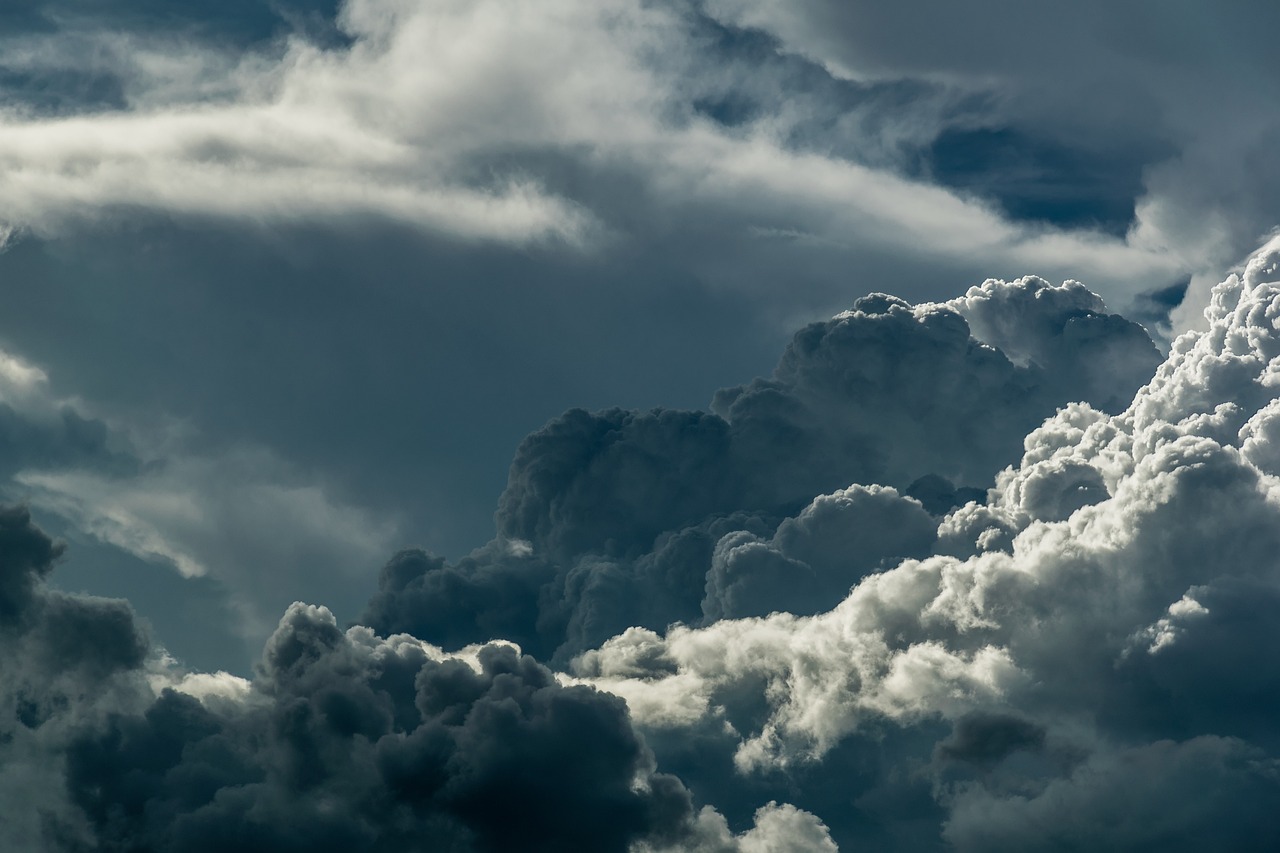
(365, 484)
(1050, 662)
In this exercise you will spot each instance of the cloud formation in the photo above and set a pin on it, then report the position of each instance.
(340, 740)
(1158, 89)
(241, 516)
(619, 518)
(493, 122)
(1074, 632)
(734, 665)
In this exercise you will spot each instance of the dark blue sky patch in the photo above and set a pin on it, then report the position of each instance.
(1153, 308)
(231, 21)
(61, 91)
(1038, 180)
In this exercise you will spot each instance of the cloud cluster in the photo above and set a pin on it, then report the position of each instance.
(1058, 664)
(341, 740)
(65, 662)
(620, 518)
(1080, 633)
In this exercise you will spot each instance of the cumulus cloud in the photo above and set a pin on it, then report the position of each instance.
(621, 518)
(1078, 642)
(67, 661)
(341, 739)
(1057, 664)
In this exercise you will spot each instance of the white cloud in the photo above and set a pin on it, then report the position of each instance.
(437, 114)
(1045, 616)
(1183, 89)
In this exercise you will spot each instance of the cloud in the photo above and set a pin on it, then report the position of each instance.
(941, 579)
(340, 739)
(244, 518)
(494, 122)
(1079, 647)
(240, 515)
(40, 429)
(1068, 647)
(1183, 796)
(621, 518)
(1154, 85)
(67, 660)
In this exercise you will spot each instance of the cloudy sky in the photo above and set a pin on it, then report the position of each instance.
(647, 426)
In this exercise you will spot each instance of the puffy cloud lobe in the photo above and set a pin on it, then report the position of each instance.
(386, 745)
(342, 740)
(1093, 355)
(889, 393)
(617, 518)
(1081, 631)
(65, 660)
(815, 557)
(348, 739)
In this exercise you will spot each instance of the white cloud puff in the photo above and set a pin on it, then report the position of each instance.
(1133, 554)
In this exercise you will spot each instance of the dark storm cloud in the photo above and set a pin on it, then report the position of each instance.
(341, 740)
(605, 194)
(64, 660)
(353, 742)
(619, 518)
(814, 558)
(1050, 667)
(496, 191)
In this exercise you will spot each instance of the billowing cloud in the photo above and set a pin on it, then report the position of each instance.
(1058, 663)
(1078, 644)
(621, 518)
(340, 740)
(974, 574)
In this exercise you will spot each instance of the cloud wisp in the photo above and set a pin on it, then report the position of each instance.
(492, 121)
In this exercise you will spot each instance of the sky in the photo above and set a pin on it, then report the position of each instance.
(658, 426)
